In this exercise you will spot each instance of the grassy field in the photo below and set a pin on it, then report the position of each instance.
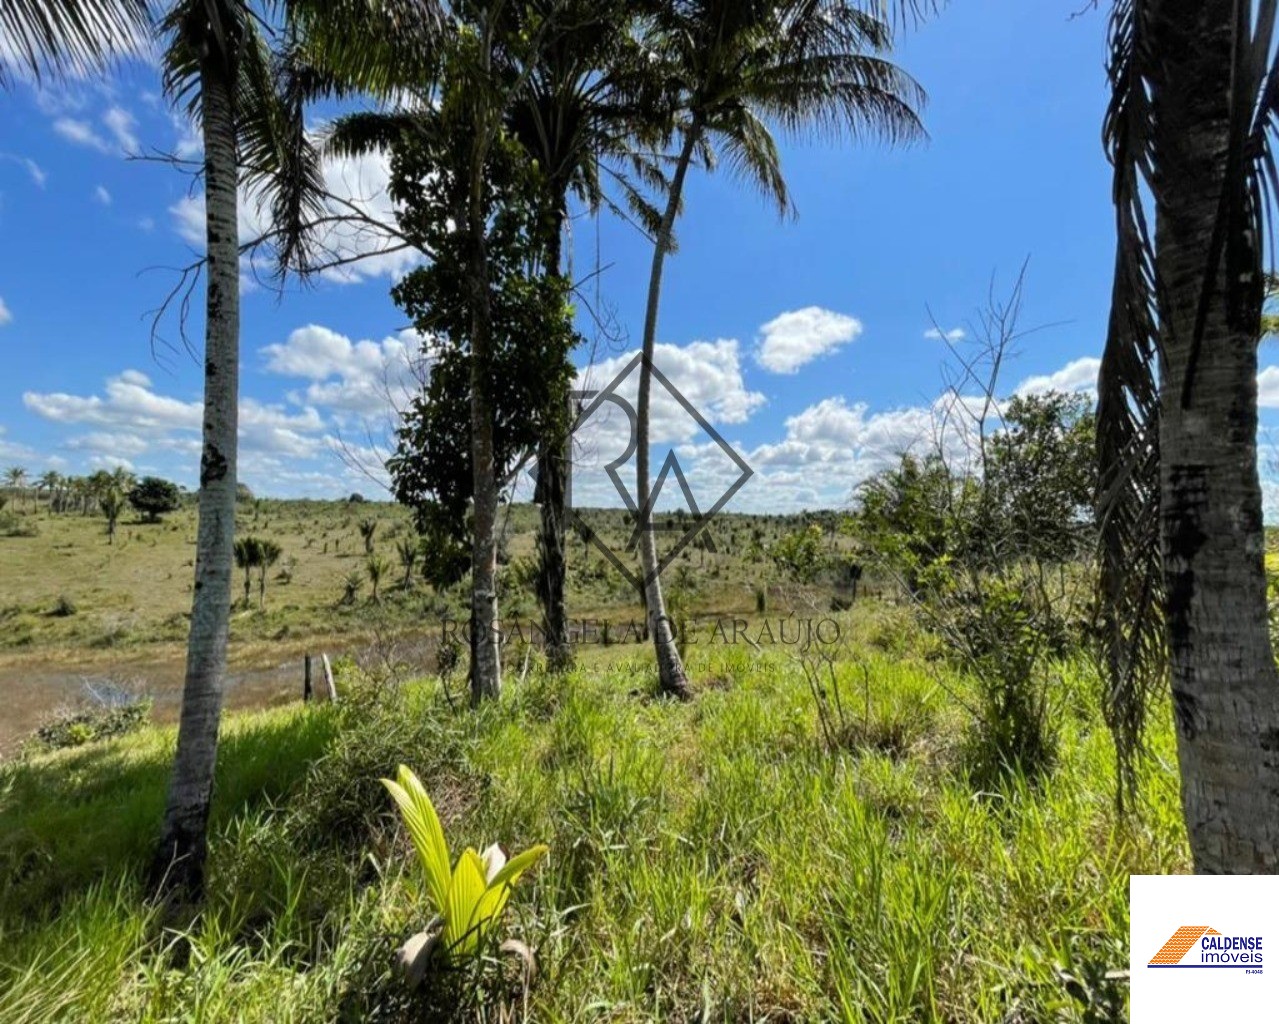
(74, 607)
(725, 860)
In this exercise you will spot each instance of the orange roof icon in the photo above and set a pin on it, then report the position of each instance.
(1181, 942)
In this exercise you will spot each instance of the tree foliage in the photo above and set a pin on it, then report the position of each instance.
(153, 497)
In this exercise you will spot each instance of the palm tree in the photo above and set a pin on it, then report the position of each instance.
(270, 553)
(247, 552)
(1195, 95)
(731, 65)
(218, 62)
(40, 37)
(112, 503)
(408, 549)
(368, 527)
(579, 113)
(15, 478)
(377, 567)
(49, 481)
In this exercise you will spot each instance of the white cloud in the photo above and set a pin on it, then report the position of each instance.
(795, 339)
(102, 195)
(358, 184)
(367, 379)
(82, 133)
(1267, 387)
(1080, 375)
(121, 124)
(120, 137)
(708, 374)
(954, 334)
(5, 316)
(32, 168)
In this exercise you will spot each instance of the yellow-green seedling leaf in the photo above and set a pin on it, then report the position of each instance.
(498, 893)
(426, 832)
(465, 891)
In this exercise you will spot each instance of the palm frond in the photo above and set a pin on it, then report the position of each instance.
(43, 38)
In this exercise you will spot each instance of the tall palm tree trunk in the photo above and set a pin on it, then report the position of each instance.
(553, 453)
(1225, 685)
(179, 865)
(670, 667)
(486, 656)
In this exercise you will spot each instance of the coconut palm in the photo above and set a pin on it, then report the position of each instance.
(1195, 97)
(732, 66)
(218, 63)
(43, 37)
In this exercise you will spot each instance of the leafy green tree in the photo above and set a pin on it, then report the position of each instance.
(153, 497)
(800, 554)
(813, 66)
(1189, 131)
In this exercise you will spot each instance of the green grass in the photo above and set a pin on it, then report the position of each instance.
(716, 861)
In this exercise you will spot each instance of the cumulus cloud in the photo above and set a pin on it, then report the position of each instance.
(1080, 375)
(5, 316)
(1267, 387)
(365, 378)
(795, 339)
(365, 249)
(954, 334)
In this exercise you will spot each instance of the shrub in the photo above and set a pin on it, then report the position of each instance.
(107, 717)
(63, 607)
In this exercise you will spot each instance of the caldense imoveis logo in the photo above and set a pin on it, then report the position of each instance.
(1197, 945)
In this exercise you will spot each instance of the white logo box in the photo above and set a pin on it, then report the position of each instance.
(1215, 943)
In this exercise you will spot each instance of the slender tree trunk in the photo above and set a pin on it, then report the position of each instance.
(178, 869)
(1225, 686)
(553, 453)
(670, 667)
(486, 659)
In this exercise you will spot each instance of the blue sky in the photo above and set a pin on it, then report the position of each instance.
(805, 341)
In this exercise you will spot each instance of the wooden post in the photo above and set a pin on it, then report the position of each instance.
(307, 692)
(328, 678)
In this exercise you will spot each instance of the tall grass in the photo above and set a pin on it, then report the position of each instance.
(717, 861)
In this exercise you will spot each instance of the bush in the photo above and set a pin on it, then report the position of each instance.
(14, 525)
(109, 716)
(63, 607)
